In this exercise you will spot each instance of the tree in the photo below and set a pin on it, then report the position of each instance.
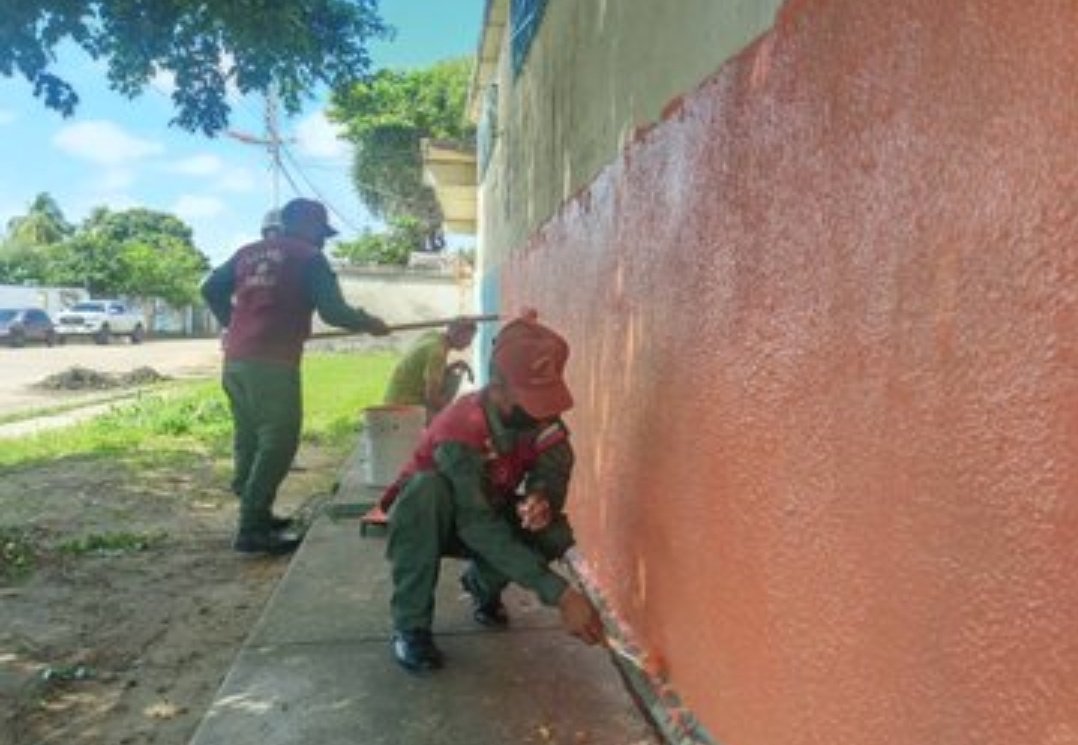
(24, 250)
(169, 269)
(386, 118)
(136, 224)
(136, 252)
(42, 225)
(291, 45)
(394, 247)
(22, 264)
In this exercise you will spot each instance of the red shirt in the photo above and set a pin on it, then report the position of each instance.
(271, 315)
(465, 422)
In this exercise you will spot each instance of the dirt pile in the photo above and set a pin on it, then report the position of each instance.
(83, 378)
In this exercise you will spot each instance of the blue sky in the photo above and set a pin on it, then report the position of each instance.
(121, 153)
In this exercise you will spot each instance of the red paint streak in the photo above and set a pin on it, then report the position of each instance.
(826, 363)
(673, 107)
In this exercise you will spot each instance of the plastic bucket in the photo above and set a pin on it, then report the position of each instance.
(390, 435)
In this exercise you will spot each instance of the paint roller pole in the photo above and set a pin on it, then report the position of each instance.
(432, 324)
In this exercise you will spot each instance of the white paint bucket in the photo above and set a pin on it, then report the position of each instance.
(390, 435)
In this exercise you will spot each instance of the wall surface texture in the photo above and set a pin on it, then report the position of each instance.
(824, 321)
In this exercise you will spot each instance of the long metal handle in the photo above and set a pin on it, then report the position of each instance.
(432, 324)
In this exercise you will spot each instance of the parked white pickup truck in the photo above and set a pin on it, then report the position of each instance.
(100, 320)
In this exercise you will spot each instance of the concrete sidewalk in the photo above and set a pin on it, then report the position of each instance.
(317, 670)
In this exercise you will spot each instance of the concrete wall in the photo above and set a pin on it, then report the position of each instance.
(400, 296)
(823, 321)
(50, 299)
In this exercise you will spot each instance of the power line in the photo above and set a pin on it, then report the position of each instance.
(329, 205)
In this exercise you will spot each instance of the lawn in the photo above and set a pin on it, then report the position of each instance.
(193, 418)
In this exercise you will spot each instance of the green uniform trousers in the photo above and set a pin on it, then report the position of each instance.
(430, 520)
(267, 414)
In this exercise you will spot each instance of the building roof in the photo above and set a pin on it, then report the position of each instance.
(450, 169)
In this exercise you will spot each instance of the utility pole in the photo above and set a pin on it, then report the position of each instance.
(271, 140)
(273, 144)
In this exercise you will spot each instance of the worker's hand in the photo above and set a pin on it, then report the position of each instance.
(579, 617)
(534, 512)
(463, 369)
(377, 327)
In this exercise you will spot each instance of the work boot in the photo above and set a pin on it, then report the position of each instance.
(414, 650)
(276, 523)
(280, 524)
(487, 611)
(273, 544)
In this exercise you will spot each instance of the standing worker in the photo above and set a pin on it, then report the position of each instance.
(488, 482)
(264, 297)
(422, 377)
(271, 224)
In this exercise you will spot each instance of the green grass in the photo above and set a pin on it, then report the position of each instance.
(111, 543)
(193, 418)
(17, 553)
(336, 388)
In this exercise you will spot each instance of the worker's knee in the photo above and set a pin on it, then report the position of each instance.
(426, 497)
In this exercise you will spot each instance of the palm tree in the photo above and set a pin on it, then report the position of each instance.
(43, 224)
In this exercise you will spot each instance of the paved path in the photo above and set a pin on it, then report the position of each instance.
(317, 668)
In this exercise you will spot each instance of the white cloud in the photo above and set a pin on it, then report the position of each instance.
(197, 165)
(318, 137)
(193, 207)
(6, 116)
(103, 142)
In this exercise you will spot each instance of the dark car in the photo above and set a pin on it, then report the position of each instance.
(20, 325)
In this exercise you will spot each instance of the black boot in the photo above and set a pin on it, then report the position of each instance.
(279, 524)
(487, 611)
(271, 543)
(414, 650)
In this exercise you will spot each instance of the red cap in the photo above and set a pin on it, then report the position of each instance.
(531, 358)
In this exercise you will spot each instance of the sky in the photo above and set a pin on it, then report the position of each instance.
(121, 153)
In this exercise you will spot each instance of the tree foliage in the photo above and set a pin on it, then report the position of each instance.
(386, 118)
(394, 247)
(135, 253)
(293, 45)
(43, 224)
(168, 269)
(24, 253)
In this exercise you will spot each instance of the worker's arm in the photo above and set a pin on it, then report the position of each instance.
(217, 289)
(325, 293)
(553, 468)
(486, 532)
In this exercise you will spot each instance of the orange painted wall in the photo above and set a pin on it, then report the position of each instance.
(824, 322)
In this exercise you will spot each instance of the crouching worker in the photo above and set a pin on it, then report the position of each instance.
(488, 482)
(424, 377)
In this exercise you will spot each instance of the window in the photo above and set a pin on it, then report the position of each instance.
(524, 18)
